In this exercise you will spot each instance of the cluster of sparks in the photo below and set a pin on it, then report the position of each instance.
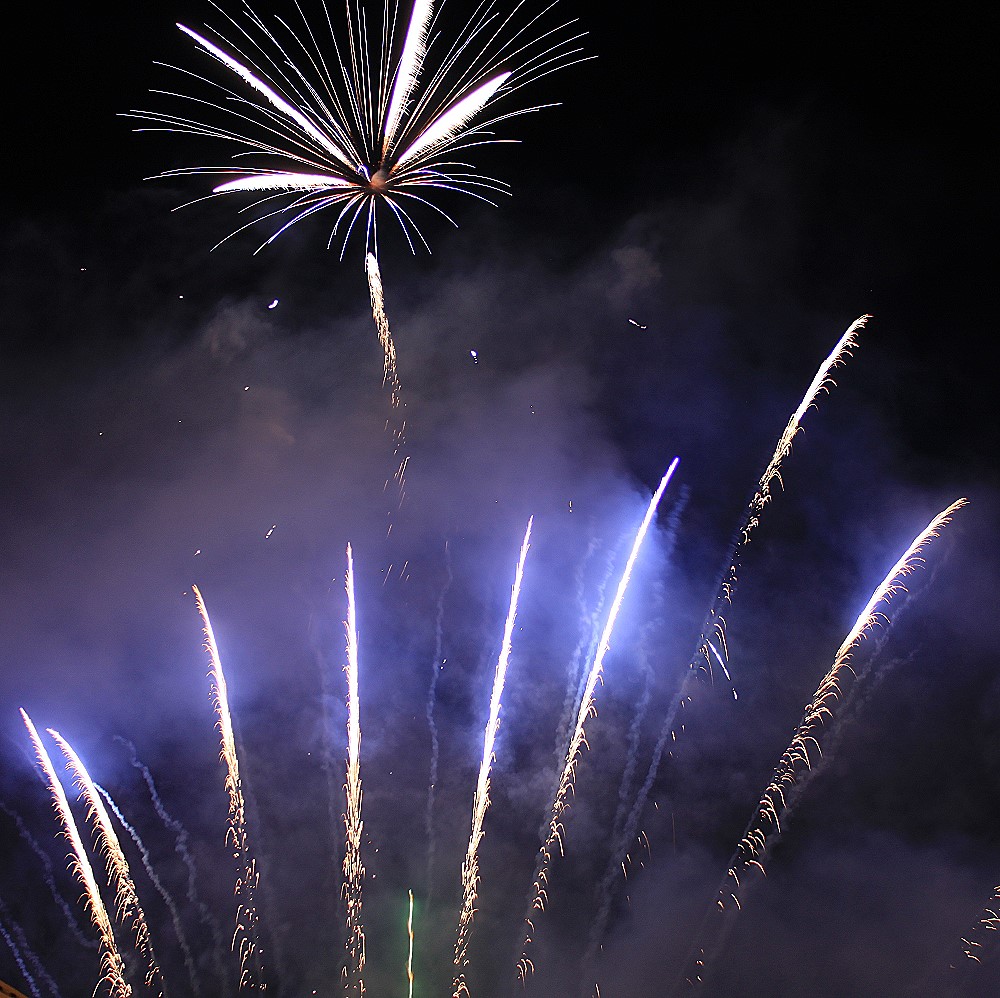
(800, 757)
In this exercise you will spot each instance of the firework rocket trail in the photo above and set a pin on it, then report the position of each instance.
(714, 626)
(554, 834)
(775, 803)
(171, 905)
(112, 966)
(354, 871)
(436, 666)
(409, 953)
(23, 953)
(181, 838)
(127, 906)
(481, 802)
(245, 934)
(47, 875)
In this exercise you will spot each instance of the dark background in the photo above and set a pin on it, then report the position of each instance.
(743, 183)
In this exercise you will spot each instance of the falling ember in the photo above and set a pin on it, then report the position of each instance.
(112, 967)
(354, 871)
(389, 376)
(127, 904)
(567, 779)
(245, 935)
(481, 802)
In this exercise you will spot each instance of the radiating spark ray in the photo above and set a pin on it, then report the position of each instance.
(112, 966)
(409, 952)
(245, 935)
(481, 801)
(587, 707)
(127, 906)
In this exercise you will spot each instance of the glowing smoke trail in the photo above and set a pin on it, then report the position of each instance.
(127, 906)
(711, 644)
(775, 803)
(19, 960)
(354, 871)
(48, 876)
(181, 848)
(436, 666)
(245, 934)
(587, 706)
(24, 954)
(147, 865)
(112, 967)
(481, 802)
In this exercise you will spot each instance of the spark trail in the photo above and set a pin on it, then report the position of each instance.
(409, 952)
(245, 933)
(560, 802)
(19, 960)
(171, 905)
(711, 645)
(776, 803)
(481, 802)
(112, 966)
(354, 871)
(23, 954)
(127, 906)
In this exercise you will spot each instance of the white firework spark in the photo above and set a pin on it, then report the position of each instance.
(334, 121)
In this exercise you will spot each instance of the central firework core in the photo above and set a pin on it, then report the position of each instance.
(379, 180)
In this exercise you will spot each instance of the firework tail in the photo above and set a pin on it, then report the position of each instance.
(481, 801)
(181, 839)
(127, 906)
(49, 877)
(23, 954)
(245, 934)
(354, 871)
(560, 802)
(112, 967)
(711, 645)
(776, 802)
(436, 666)
(409, 952)
(171, 905)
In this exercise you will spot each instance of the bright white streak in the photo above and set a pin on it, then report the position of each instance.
(112, 967)
(119, 876)
(279, 102)
(246, 883)
(410, 63)
(453, 119)
(354, 872)
(481, 802)
(587, 706)
(282, 182)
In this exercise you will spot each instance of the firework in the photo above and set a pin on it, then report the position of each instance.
(712, 648)
(127, 904)
(409, 952)
(554, 835)
(339, 123)
(470, 868)
(354, 871)
(245, 935)
(112, 966)
(775, 802)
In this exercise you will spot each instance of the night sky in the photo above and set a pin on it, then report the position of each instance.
(713, 202)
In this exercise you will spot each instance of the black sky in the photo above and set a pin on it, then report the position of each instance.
(741, 182)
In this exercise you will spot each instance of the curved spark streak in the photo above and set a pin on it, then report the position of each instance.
(112, 967)
(587, 707)
(354, 871)
(245, 934)
(481, 802)
(127, 904)
(279, 102)
(773, 802)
